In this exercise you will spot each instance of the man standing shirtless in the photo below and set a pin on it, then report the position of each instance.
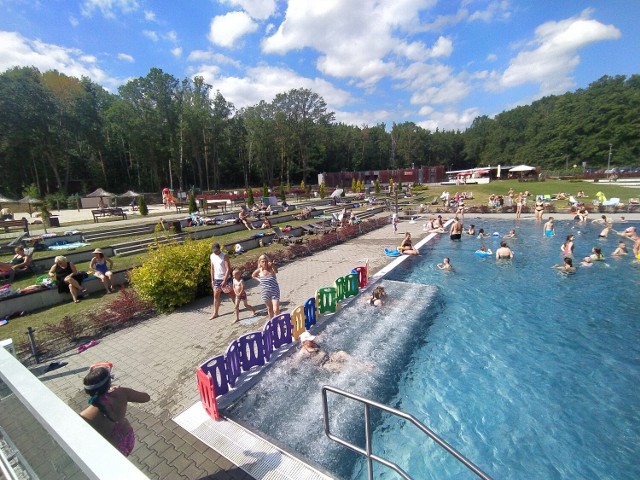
(455, 233)
(220, 277)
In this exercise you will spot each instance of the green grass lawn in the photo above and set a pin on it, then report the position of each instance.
(481, 193)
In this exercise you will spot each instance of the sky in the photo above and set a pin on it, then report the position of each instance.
(439, 64)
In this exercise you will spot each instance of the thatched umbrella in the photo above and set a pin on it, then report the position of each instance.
(133, 195)
(130, 193)
(30, 201)
(101, 193)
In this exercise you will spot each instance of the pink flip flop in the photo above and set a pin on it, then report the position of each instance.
(92, 343)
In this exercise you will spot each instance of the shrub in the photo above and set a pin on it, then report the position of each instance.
(323, 190)
(377, 186)
(283, 195)
(174, 275)
(192, 203)
(142, 206)
(250, 200)
(127, 305)
(73, 202)
(67, 328)
(56, 201)
(265, 190)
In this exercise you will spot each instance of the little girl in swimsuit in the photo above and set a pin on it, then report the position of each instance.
(567, 246)
(241, 294)
(107, 408)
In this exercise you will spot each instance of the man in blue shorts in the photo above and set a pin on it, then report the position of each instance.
(221, 281)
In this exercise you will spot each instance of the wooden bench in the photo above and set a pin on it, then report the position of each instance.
(108, 212)
(212, 204)
(21, 224)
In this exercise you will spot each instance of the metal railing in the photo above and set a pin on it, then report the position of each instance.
(367, 451)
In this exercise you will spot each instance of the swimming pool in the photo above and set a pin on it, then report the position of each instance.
(527, 372)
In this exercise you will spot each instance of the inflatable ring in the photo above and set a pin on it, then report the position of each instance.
(482, 253)
(392, 252)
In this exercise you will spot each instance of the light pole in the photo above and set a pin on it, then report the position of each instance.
(610, 153)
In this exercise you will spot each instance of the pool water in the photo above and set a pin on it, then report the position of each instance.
(528, 372)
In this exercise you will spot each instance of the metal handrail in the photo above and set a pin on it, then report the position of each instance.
(367, 451)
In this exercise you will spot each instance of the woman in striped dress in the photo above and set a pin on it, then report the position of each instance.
(270, 290)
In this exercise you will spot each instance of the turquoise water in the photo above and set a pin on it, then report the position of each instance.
(529, 373)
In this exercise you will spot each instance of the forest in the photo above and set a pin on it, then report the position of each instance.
(61, 134)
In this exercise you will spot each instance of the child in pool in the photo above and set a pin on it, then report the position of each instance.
(567, 266)
(445, 265)
(241, 294)
(483, 250)
(621, 250)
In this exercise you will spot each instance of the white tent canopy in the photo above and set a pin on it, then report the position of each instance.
(521, 168)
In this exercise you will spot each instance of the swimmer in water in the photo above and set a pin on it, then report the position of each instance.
(549, 228)
(567, 266)
(375, 300)
(567, 246)
(504, 252)
(596, 254)
(484, 250)
(621, 250)
(445, 265)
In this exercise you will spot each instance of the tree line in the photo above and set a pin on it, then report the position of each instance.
(64, 134)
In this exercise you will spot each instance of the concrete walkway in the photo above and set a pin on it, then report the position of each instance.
(160, 355)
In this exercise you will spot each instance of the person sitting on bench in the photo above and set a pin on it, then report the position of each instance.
(21, 261)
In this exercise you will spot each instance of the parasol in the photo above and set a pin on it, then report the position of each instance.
(100, 193)
(30, 201)
(130, 193)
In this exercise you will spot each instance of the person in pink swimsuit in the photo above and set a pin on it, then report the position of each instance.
(107, 408)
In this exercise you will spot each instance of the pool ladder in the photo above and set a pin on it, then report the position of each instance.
(367, 450)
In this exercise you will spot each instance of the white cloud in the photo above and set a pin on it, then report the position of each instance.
(360, 40)
(73, 21)
(258, 9)
(495, 10)
(18, 51)
(176, 52)
(172, 36)
(149, 16)
(151, 35)
(211, 57)
(492, 57)
(443, 21)
(442, 48)
(364, 117)
(108, 8)
(264, 83)
(226, 29)
(449, 119)
(554, 55)
(125, 57)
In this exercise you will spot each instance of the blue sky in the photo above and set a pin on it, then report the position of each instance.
(436, 63)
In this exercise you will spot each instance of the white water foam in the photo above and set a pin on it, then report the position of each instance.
(286, 404)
